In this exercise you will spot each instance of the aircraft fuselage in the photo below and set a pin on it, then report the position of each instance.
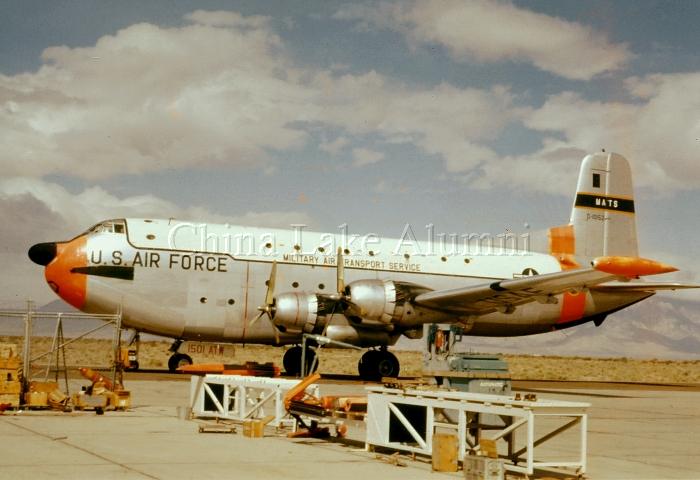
(205, 282)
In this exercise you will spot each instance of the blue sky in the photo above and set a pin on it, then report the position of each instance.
(472, 116)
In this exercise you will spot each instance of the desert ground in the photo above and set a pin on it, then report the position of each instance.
(154, 355)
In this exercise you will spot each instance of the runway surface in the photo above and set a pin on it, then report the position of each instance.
(636, 431)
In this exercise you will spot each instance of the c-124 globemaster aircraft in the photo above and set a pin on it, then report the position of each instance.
(189, 282)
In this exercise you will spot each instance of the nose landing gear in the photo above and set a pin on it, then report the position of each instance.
(178, 359)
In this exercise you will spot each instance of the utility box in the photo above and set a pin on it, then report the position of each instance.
(483, 468)
(253, 428)
(10, 384)
(445, 452)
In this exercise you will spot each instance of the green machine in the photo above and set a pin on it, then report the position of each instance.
(463, 371)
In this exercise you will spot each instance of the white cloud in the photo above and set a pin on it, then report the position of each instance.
(149, 98)
(454, 124)
(81, 210)
(489, 30)
(659, 134)
(551, 170)
(363, 157)
(334, 147)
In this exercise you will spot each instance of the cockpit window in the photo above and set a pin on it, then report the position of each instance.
(110, 226)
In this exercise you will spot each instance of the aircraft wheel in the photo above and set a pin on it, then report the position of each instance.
(178, 360)
(366, 365)
(292, 360)
(388, 364)
(376, 364)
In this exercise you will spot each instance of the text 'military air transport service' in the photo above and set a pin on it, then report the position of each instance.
(206, 282)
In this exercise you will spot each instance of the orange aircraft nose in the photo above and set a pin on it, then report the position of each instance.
(60, 260)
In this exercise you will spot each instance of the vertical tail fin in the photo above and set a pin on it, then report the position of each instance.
(603, 216)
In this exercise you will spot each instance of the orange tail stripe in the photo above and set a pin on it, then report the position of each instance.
(562, 245)
(573, 306)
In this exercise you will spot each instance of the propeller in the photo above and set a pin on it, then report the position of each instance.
(340, 274)
(339, 297)
(269, 307)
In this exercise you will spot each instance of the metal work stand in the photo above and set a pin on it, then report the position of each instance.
(57, 352)
(407, 419)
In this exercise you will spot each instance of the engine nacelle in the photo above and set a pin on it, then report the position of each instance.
(373, 300)
(300, 312)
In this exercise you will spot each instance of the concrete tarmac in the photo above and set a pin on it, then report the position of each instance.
(634, 433)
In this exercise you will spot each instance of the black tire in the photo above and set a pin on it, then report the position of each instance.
(376, 364)
(367, 366)
(178, 360)
(387, 365)
(133, 366)
(292, 361)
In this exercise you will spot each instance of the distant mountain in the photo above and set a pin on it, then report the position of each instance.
(58, 306)
(46, 326)
(655, 328)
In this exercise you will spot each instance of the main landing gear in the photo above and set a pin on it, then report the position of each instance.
(376, 364)
(292, 361)
(178, 359)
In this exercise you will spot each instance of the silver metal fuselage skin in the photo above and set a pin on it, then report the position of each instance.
(208, 286)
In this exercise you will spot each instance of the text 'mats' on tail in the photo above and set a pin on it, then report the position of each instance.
(603, 215)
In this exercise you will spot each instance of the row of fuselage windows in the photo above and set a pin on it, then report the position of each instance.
(231, 301)
(120, 227)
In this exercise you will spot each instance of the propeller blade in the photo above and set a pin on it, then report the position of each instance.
(270, 296)
(252, 322)
(330, 319)
(340, 273)
(269, 306)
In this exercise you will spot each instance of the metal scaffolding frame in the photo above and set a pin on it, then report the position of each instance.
(57, 352)
(238, 397)
(407, 419)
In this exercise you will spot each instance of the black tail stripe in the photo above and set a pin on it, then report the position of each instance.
(605, 202)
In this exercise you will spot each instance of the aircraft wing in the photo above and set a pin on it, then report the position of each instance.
(504, 295)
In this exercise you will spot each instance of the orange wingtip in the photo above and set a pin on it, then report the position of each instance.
(631, 266)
